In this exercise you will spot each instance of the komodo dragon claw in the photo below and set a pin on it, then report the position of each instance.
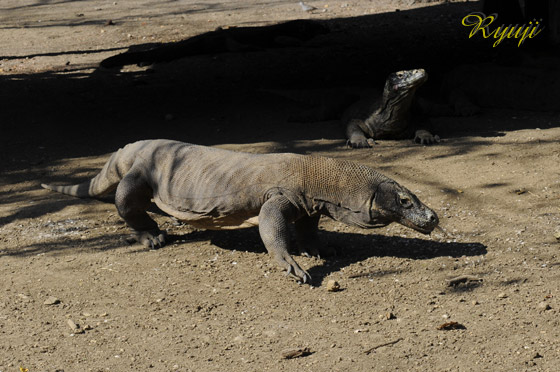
(360, 143)
(306, 278)
(150, 239)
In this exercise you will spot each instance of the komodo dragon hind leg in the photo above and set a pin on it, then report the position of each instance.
(274, 218)
(132, 199)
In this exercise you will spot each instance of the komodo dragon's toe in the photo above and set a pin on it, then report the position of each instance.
(150, 239)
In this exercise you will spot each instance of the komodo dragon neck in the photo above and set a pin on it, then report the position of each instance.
(393, 112)
(341, 189)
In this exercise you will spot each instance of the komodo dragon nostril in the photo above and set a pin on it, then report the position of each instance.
(433, 218)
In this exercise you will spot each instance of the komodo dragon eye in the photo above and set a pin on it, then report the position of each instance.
(405, 202)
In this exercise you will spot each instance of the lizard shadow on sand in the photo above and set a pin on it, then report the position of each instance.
(348, 248)
(38, 205)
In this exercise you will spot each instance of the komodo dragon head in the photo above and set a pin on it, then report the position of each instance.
(400, 88)
(394, 203)
(402, 81)
(384, 203)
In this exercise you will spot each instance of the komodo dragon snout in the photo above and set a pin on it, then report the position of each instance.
(217, 189)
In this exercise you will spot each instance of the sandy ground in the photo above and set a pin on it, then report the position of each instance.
(214, 301)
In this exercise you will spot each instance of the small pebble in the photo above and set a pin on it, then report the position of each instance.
(502, 295)
(295, 353)
(390, 316)
(544, 306)
(51, 301)
(75, 327)
(333, 286)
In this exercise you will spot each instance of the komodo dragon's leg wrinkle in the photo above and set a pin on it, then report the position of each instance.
(132, 198)
(274, 218)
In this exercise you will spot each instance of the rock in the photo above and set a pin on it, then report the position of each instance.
(390, 316)
(75, 327)
(450, 326)
(544, 306)
(502, 295)
(296, 353)
(557, 235)
(25, 298)
(51, 301)
(333, 286)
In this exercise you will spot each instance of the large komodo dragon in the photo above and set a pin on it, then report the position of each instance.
(218, 189)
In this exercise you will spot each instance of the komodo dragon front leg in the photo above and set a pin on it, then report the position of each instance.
(274, 219)
(356, 131)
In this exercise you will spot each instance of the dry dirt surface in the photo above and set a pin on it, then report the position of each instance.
(76, 296)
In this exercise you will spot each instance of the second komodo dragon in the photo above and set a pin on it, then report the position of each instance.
(213, 188)
(396, 114)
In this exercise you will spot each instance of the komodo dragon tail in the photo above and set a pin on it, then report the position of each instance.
(106, 181)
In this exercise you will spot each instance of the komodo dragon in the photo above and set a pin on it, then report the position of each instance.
(218, 189)
(389, 116)
(394, 114)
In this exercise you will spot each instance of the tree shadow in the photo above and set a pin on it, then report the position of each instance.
(217, 98)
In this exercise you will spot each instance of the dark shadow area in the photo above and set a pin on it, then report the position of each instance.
(69, 244)
(349, 247)
(60, 53)
(218, 98)
(47, 203)
(513, 282)
(465, 287)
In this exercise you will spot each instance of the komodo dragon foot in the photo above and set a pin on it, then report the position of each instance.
(152, 239)
(424, 137)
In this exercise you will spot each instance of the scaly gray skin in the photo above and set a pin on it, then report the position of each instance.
(389, 116)
(218, 189)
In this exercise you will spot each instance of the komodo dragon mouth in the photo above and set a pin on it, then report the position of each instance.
(424, 220)
(423, 230)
